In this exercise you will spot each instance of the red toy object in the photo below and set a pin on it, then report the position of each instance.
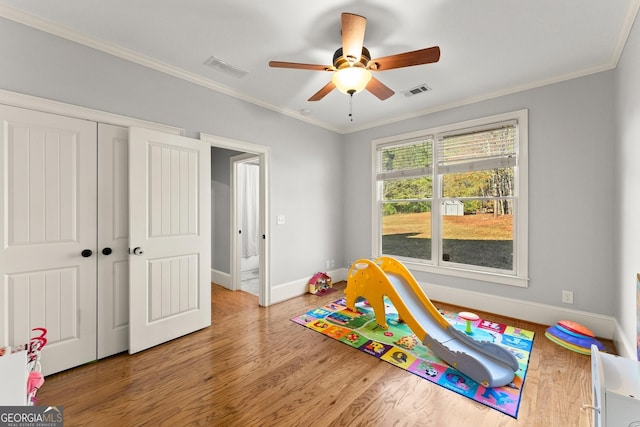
(576, 328)
(320, 283)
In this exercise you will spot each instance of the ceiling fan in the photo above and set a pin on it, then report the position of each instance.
(352, 63)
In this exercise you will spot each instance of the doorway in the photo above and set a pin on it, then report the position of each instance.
(246, 153)
(245, 183)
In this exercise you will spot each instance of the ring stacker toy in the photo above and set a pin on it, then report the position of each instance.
(469, 317)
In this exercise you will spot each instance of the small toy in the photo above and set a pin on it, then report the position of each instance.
(35, 378)
(469, 317)
(573, 336)
(573, 328)
(320, 283)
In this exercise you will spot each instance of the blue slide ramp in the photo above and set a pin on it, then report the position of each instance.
(483, 361)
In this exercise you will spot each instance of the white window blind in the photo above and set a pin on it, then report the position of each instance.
(410, 159)
(489, 147)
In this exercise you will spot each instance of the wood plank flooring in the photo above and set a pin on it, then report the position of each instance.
(254, 367)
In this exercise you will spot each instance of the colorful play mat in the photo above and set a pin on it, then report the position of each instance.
(400, 347)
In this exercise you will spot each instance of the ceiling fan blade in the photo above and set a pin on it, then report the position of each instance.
(298, 66)
(407, 59)
(353, 27)
(379, 89)
(323, 92)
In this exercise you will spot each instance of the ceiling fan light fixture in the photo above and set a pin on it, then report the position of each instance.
(350, 80)
(352, 63)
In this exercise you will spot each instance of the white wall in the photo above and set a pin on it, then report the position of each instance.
(627, 185)
(571, 200)
(305, 176)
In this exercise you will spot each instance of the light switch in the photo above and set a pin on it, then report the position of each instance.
(280, 219)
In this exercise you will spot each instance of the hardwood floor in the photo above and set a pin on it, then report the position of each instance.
(254, 367)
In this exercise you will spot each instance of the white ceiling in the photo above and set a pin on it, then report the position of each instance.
(488, 47)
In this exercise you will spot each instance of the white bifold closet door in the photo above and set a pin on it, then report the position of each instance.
(68, 215)
(47, 260)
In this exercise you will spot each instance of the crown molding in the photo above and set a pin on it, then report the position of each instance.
(154, 64)
(41, 24)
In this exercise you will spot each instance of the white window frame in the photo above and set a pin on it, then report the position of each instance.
(520, 275)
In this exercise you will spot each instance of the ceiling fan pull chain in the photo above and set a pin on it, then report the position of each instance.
(351, 106)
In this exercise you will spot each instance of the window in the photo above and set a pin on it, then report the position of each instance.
(453, 200)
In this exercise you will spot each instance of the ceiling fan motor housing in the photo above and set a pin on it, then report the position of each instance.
(340, 61)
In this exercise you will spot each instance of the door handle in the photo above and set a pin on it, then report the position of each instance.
(86, 253)
(138, 251)
(106, 251)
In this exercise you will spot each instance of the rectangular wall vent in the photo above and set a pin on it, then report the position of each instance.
(225, 67)
(416, 90)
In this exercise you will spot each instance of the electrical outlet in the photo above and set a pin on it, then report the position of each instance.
(333, 263)
(567, 297)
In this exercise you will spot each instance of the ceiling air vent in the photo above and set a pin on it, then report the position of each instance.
(416, 90)
(224, 67)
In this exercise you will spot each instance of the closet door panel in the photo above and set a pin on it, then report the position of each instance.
(170, 236)
(113, 239)
(47, 189)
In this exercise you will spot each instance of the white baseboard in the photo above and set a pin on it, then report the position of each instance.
(284, 291)
(623, 347)
(221, 278)
(602, 326)
(299, 287)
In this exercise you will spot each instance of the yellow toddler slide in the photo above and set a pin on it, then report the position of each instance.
(482, 361)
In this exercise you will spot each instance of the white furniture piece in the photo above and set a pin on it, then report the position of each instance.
(616, 390)
(13, 372)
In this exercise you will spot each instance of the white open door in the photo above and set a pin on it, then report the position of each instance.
(169, 237)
